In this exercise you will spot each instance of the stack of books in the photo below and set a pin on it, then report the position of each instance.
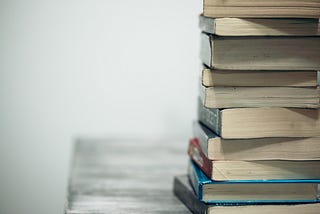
(256, 144)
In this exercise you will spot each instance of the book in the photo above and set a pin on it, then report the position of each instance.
(260, 26)
(184, 192)
(260, 53)
(228, 170)
(262, 8)
(217, 148)
(251, 191)
(239, 123)
(238, 97)
(212, 77)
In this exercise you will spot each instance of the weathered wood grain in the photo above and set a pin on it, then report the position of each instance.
(125, 176)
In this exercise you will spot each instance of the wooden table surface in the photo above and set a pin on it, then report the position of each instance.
(125, 176)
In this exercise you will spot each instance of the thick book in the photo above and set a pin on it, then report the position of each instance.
(213, 77)
(259, 27)
(239, 97)
(262, 8)
(228, 170)
(260, 53)
(252, 191)
(216, 148)
(240, 123)
(183, 190)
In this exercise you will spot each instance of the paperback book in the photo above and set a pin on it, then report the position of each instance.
(236, 78)
(239, 97)
(262, 8)
(252, 191)
(183, 190)
(260, 53)
(286, 148)
(243, 123)
(228, 170)
(260, 26)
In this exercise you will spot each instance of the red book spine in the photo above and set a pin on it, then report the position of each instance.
(199, 157)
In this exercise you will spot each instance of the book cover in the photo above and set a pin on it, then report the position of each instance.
(198, 179)
(184, 192)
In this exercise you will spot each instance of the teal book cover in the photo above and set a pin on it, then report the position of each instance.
(198, 180)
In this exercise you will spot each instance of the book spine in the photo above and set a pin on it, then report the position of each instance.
(194, 181)
(199, 157)
(205, 49)
(201, 136)
(184, 192)
(210, 117)
(207, 24)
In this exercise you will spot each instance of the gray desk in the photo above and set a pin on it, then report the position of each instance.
(125, 176)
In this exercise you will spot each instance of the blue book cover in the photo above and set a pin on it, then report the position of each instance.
(308, 190)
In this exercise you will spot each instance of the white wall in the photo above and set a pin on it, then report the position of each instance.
(94, 68)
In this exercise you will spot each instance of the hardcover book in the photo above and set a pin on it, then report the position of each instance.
(262, 8)
(217, 148)
(227, 170)
(252, 191)
(259, 27)
(185, 193)
(240, 123)
(260, 53)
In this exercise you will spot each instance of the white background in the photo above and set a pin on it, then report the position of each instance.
(125, 68)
